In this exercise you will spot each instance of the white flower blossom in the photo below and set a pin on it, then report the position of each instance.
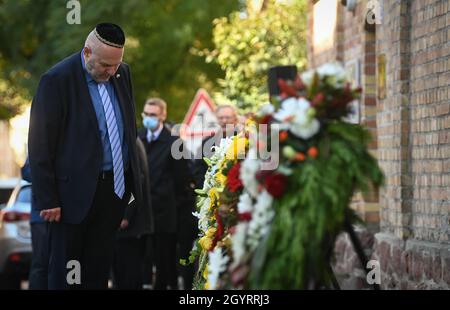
(307, 77)
(298, 113)
(202, 215)
(221, 150)
(249, 167)
(216, 265)
(211, 182)
(266, 109)
(333, 69)
(245, 203)
(238, 243)
(261, 219)
(305, 130)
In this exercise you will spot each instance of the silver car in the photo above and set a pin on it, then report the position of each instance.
(15, 237)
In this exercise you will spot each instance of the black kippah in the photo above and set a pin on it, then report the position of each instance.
(110, 34)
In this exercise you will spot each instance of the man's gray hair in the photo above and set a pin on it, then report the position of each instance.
(223, 106)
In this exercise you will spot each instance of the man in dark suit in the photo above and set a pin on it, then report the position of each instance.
(83, 157)
(131, 239)
(228, 122)
(168, 183)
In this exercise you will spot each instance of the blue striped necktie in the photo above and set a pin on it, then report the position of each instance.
(114, 141)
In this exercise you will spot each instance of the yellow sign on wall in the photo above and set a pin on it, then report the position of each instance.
(381, 76)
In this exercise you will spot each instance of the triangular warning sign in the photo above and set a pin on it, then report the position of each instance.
(200, 120)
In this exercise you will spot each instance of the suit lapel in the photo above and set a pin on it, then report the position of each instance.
(85, 97)
(158, 148)
(117, 82)
(142, 134)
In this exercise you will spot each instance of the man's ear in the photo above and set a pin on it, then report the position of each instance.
(87, 51)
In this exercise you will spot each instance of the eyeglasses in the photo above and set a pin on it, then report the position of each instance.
(149, 114)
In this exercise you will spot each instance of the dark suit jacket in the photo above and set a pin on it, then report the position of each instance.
(26, 175)
(64, 143)
(169, 180)
(140, 216)
(198, 166)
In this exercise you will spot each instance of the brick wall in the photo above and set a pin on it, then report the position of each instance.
(412, 128)
(394, 119)
(413, 247)
(430, 119)
(350, 44)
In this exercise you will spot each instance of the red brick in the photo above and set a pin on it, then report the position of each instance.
(437, 269)
(397, 258)
(418, 266)
(446, 268)
(406, 261)
(370, 101)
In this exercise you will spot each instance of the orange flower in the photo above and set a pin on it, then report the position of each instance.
(299, 156)
(283, 136)
(312, 152)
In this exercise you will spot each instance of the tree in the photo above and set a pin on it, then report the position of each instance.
(248, 44)
(161, 35)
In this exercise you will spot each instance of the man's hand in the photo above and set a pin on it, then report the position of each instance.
(51, 215)
(124, 224)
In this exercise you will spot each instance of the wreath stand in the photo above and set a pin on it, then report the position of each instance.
(348, 228)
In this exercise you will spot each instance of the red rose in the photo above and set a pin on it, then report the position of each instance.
(234, 183)
(219, 231)
(318, 99)
(275, 184)
(298, 83)
(266, 119)
(287, 88)
(245, 216)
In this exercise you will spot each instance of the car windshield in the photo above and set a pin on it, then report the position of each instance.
(24, 195)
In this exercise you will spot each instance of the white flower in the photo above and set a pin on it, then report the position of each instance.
(245, 203)
(298, 113)
(306, 129)
(238, 243)
(334, 72)
(217, 264)
(261, 219)
(307, 77)
(221, 150)
(203, 214)
(332, 69)
(250, 166)
(266, 109)
(216, 160)
(292, 107)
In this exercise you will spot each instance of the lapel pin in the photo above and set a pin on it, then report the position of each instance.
(117, 75)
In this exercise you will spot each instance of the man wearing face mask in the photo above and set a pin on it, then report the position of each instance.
(168, 183)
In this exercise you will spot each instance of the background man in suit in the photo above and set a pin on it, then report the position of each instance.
(83, 157)
(135, 229)
(228, 120)
(168, 182)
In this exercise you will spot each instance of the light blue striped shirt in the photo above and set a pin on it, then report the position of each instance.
(98, 107)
